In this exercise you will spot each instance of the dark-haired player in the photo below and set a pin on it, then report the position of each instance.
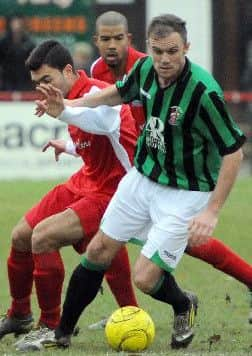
(69, 214)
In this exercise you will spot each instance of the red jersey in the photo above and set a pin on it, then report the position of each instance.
(104, 155)
(100, 70)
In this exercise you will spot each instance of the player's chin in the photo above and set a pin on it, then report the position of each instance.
(165, 72)
(112, 62)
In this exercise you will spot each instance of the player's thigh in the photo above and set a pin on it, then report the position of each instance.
(128, 211)
(76, 225)
(171, 212)
(180, 203)
(54, 202)
(56, 231)
(165, 247)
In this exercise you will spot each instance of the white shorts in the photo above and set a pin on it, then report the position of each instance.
(152, 215)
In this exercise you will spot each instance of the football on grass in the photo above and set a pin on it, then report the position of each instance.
(130, 329)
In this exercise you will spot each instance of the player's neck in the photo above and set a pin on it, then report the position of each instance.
(164, 83)
(119, 71)
(75, 77)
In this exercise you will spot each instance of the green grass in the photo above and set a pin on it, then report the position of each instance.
(215, 317)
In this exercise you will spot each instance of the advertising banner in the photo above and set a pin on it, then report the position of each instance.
(22, 136)
(68, 21)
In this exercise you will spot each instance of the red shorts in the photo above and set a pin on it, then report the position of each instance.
(89, 208)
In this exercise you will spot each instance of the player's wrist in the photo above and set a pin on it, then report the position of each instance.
(214, 208)
(70, 148)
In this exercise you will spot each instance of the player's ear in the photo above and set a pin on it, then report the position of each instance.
(68, 70)
(147, 46)
(186, 47)
(95, 39)
(129, 35)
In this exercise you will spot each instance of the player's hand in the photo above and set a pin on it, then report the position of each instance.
(201, 227)
(52, 102)
(58, 145)
(41, 107)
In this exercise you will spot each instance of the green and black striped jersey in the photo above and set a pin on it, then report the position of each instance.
(187, 130)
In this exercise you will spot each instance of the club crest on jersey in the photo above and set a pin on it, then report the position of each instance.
(175, 115)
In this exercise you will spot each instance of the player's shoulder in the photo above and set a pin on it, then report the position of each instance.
(143, 64)
(94, 85)
(94, 82)
(100, 84)
(135, 53)
(202, 75)
(98, 67)
(133, 57)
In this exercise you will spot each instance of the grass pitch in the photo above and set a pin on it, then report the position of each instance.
(222, 327)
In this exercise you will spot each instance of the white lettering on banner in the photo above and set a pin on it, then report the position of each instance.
(15, 135)
(60, 3)
(22, 136)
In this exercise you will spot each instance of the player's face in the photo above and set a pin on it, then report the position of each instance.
(48, 75)
(112, 43)
(168, 55)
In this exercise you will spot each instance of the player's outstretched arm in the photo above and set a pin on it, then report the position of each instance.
(108, 96)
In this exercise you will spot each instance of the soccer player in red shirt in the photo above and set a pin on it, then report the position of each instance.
(117, 56)
(116, 59)
(70, 213)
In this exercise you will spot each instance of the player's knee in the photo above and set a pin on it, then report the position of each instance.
(41, 240)
(96, 252)
(99, 252)
(21, 237)
(142, 281)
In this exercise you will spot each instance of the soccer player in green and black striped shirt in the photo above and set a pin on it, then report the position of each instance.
(186, 161)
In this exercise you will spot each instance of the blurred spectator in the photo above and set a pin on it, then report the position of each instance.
(83, 56)
(246, 85)
(246, 80)
(15, 47)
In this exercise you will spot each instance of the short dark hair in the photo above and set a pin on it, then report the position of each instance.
(164, 25)
(49, 52)
(111, 18)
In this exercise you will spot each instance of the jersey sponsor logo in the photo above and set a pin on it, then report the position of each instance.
(145, 93)
(154, 134)
(82, 145)
(175, 115)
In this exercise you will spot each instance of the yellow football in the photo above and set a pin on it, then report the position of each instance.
(130, 329)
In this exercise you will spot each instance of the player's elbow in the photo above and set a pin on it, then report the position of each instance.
(241, 154)
(238, 155)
